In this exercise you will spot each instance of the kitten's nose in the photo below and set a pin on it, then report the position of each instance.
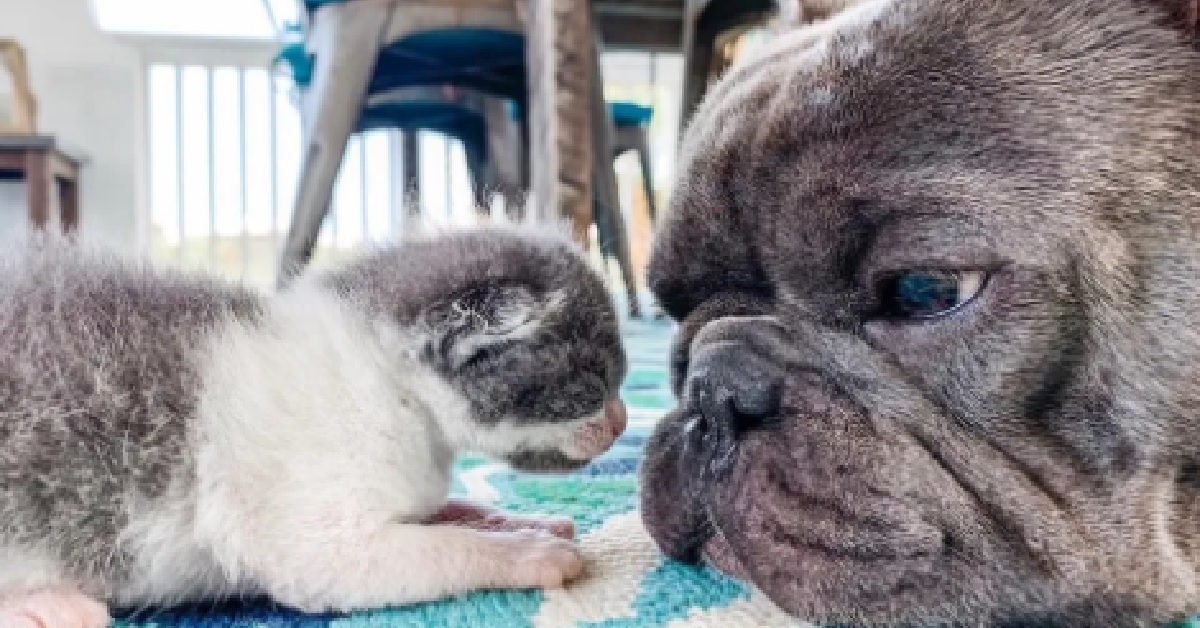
(615, 416)
(597, 435)
(731, 389)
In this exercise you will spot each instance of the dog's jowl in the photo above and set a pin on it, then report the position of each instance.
(936, 264)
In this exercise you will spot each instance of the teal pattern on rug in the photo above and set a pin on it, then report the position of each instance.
(605, 488)
(668, 592)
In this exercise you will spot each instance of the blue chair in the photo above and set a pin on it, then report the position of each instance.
(631, 123)
(485, 60)
(358, 50)
(632, 126)
(629, 114)
(456, 121)
(400, 103)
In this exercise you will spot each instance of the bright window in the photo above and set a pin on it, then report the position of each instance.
(196, 18)
(224, 146)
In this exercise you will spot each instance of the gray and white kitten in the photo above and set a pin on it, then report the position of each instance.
(167, 438)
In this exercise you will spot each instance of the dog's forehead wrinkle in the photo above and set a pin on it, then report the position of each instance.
(769, 80)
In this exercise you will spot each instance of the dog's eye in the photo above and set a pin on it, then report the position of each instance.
(929, 293)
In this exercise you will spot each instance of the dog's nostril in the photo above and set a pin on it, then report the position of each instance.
(734, 391)
(757, 403)
(753, 407)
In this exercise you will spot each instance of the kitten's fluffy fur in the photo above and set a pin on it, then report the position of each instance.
(166, 437)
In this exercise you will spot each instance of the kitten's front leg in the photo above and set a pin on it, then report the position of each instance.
(400, 564)
(483, 517)
(63, 607)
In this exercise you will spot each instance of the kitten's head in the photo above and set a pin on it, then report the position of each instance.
(521, 330)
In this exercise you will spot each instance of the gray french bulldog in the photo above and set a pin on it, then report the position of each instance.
(936, 265)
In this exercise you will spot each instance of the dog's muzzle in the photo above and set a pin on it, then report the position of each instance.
(730, 391)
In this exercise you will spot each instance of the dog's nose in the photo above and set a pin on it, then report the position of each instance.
(732, 389)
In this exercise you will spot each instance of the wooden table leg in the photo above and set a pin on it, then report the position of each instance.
(38, 182)
(349, 36)
(697, 69)
(610, 220)
(411, 161)
(642, 147)
(69, 205)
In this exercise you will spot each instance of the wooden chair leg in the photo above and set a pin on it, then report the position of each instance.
(347, 38)
(643, 153)
(69, 205)
(519, 190)
(411, 162)
(526, 149)
(39, 185)
(699, 48)
(481, 172)
(604, 234)
(607, 208)
(504, 153)
(561, 73)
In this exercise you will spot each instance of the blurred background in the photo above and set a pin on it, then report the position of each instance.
(188, 131)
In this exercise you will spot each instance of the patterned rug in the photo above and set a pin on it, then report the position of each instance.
(627, 584)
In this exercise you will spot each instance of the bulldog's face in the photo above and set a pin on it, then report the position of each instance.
(937, 269)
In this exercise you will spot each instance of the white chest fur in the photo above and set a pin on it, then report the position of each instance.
(313, 405)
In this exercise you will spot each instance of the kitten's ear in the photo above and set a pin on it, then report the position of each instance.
(481, 319)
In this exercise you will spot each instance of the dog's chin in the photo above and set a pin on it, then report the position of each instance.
(823, 553)
(825, 583)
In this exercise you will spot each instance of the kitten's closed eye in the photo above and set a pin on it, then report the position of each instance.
(485, 354)
(490, 321)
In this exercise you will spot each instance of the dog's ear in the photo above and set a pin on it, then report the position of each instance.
(794, 13)
(1183, 15)
(816, 10)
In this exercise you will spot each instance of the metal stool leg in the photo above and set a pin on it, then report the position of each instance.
(642, 145)
(348, 38)
(482, 181)
(505, 154)
(607, 206)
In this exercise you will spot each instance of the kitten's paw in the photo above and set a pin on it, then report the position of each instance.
(548, 563)
(53, 609)
(485, 518)
(561, 527)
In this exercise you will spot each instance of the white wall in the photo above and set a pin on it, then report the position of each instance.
(88, 87)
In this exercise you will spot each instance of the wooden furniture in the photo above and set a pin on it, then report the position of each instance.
(478, 121)
(347, 38)
(633, 134)
(705, 23)
(482, 122)
(710, 24)
(570, 133)
(24, 107)
(48, 172)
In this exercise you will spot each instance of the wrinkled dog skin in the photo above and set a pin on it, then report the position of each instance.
(1021, 449)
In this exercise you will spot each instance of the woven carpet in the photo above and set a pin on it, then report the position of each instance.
(628, 584)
